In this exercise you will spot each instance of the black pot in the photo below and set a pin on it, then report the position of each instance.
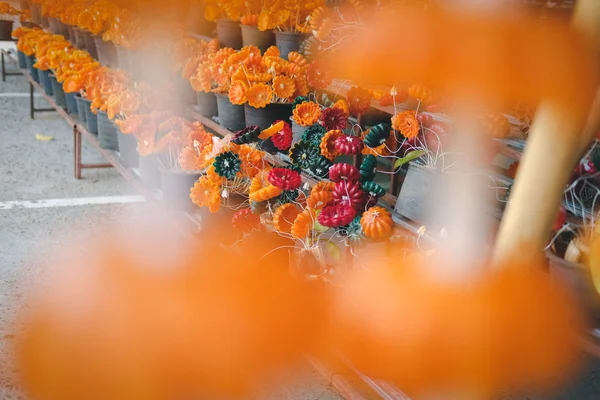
(36, 13)
(107, 53)
(58, 28)
(59, 93)
(268, 146)
(71, 103)
(136, 65)
(45, 81)
(207, 104)
(63, 29)
(231, 116)
(21, 58)
(127, 149)
(107, 132)
(71, 30)
(265, 117)
(176, 187)
(33, 72)
(251, 35)
(196, 22)
(81, 106)
(91, 119)
(229, 33)
(6, 28)
(187, 95)
(78, 41)
(90, 44)
(578, 279)
(374, 117)
(123, 58)
(288, 41)
(149, 168)
(53, 22)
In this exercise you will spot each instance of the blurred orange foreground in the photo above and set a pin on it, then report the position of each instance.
(130, 322)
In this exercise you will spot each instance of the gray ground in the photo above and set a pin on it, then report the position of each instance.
(33, 170)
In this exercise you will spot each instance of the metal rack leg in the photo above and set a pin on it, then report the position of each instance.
(31, 109)
(3, 68)
(77, 151)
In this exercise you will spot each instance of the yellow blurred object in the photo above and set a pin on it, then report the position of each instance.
(43, 138)
(594, 261)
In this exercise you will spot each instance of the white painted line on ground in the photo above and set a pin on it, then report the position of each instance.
(82, 201)
(19, 95)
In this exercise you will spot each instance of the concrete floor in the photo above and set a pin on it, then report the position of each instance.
(33, 170)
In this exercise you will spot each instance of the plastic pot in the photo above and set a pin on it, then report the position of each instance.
(374, 117)
(288, 41)
(59, 93)
(127, 149)
(33, 72)
(71, 103)
(268, 146)
(207, 104)
(176, 187)
(36, 13)
(149, 170)
(107, 54)
(107, 132)
(46, 82)
(91, 119)
(21, 59)
(45, 24)
(6, 28)
(81, 106)
(53, 22)
(251, 35)
(265, 117)
(63, 29)
(187, 94)
(90, 44)
(418, 200)
(229, 34)
(77, 38)
(231, 116)
(123, 59)
(196, 22)
(72, 38)
(136, 64)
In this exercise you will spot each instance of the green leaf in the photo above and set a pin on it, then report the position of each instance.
(319, 228)
(334, 251)
(413, 155)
